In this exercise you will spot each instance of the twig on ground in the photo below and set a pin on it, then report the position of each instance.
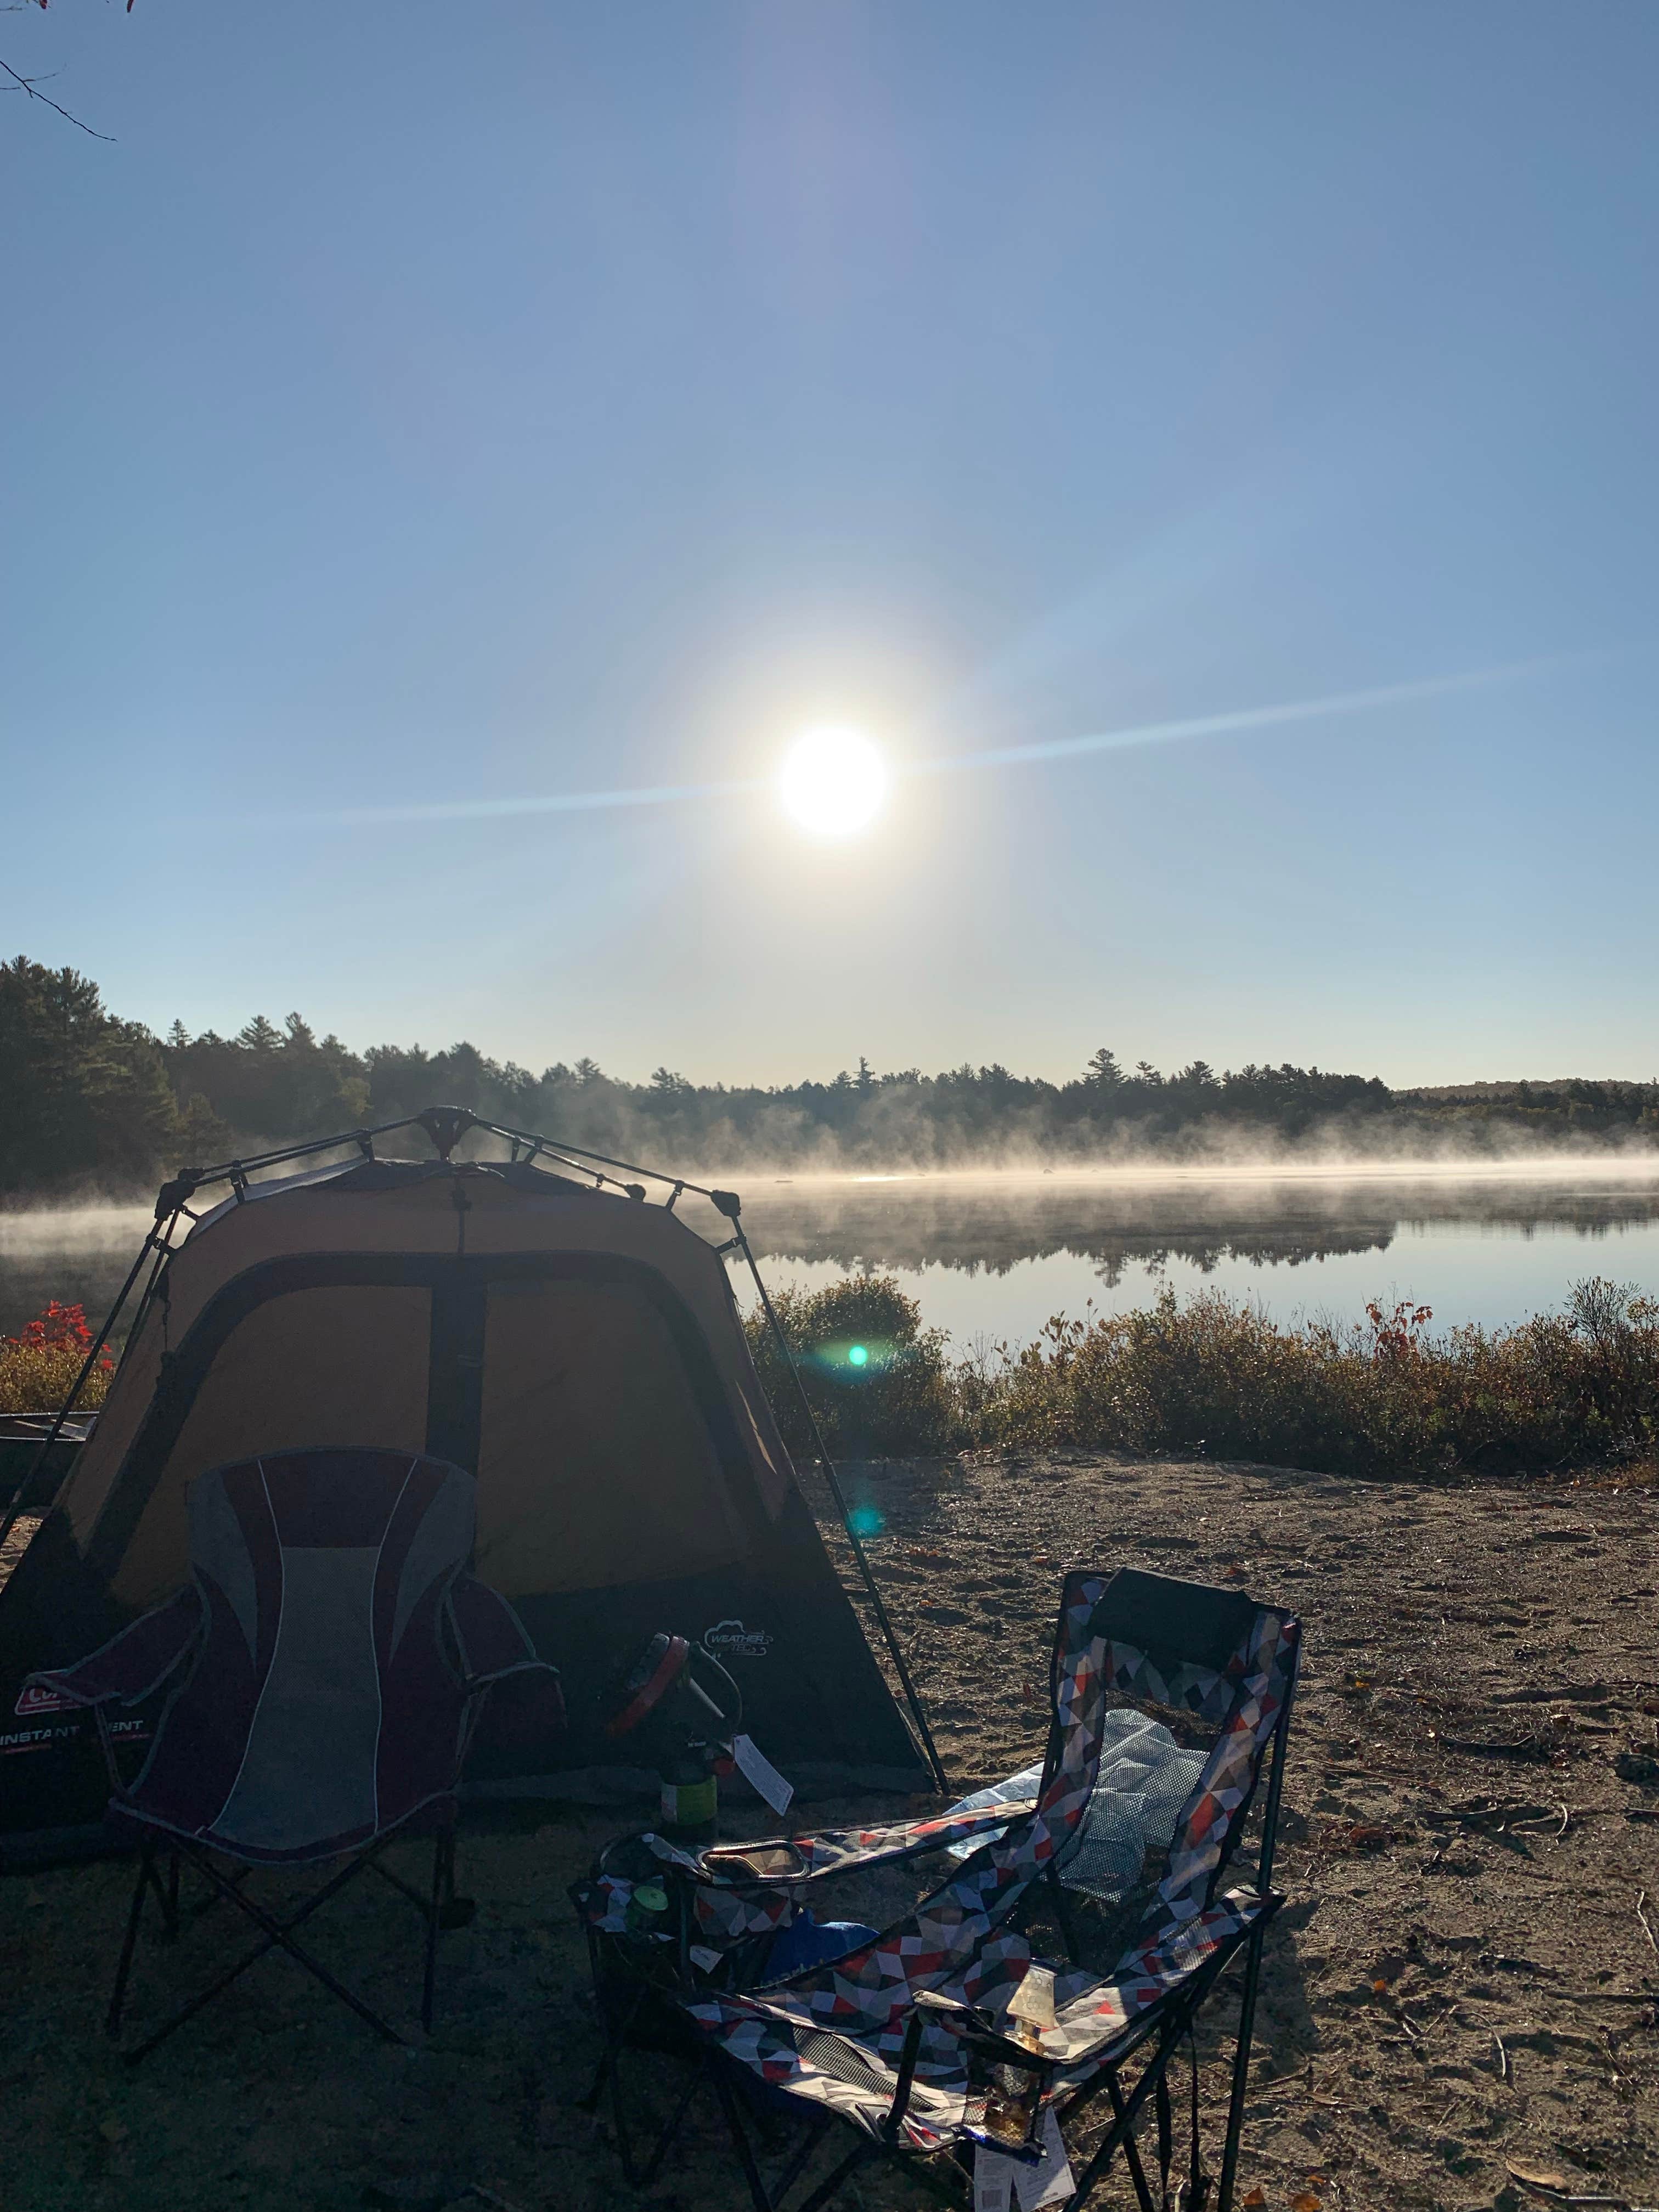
(1647, 1929)
(1555, 1834)
(1504, 2070)
(1569, 2196)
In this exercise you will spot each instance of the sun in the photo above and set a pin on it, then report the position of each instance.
(832, 782)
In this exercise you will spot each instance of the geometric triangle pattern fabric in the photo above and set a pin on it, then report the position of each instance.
(957, 1943)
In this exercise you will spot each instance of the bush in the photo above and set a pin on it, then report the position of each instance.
(875, 1379)
(37, 1369)
(1570, 1390)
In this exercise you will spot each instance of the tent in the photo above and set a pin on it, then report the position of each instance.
(575, 1347)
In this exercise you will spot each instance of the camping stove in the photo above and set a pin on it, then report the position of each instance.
(682, 1731)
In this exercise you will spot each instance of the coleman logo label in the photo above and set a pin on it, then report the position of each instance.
(32, 1700)
(730, 1639)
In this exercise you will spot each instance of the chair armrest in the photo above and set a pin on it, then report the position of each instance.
(492, 1642)
(132, 1664)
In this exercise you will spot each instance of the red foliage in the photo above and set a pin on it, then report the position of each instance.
(58, 1325)
(1395, 1335)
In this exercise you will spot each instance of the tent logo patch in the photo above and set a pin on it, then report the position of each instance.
(32, 1700)
(730, 1639)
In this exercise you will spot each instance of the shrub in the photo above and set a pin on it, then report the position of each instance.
(38, 1368)
(1575, 1389)
(875, 1379)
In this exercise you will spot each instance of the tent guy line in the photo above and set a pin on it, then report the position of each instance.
(1143, 733)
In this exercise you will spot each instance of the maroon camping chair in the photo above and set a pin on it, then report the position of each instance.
(330, 1662)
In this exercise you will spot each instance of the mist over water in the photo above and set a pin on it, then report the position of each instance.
(78, 1254)
(992, 1257)
(991, 1254)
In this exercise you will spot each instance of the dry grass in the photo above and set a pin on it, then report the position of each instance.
(1575, 1390)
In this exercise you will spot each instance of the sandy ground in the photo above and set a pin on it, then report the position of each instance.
(1462, 1983)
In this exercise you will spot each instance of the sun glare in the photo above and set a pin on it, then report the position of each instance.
(832, 782)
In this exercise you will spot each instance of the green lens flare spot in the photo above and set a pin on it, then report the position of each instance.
(858, 1355)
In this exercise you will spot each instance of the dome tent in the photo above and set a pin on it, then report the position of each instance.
(577, 1349)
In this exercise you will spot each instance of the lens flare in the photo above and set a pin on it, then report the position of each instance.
(832, 782)
(857, 1355)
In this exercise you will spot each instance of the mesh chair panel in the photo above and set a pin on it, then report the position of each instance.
(321, 1709)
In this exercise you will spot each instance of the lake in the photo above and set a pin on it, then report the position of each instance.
(991, 1257)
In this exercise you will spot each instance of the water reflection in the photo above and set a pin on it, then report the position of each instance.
(990, 1225)
(999, 1254)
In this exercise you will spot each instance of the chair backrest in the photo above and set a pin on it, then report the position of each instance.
(1205, 1676)
(1211, 1662)
(322, 1707)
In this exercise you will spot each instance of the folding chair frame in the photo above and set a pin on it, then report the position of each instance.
(1167, 2020)
(441, 1908)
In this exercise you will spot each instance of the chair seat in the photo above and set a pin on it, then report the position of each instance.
(902, 2037)
(814, 2046)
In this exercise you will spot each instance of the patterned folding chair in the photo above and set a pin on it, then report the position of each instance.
(899, 2037)
(330, 1663)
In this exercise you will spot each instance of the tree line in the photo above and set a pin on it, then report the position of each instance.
(89, 1099)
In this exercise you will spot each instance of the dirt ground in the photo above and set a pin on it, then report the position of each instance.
(1461, 1991)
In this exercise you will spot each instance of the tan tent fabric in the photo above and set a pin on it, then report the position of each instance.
(580, 1354)
(349, 1365)
(308, 1218)
(585, 1477)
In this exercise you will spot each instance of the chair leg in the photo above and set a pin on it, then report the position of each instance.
(637, 2176)
(1131, 2151)
(758, 2194)
(1165, 2135)
(795, 2165)
(1240, 2068)
(615, 2031)
(1125, 2110)
(278, 1936)
(860, 2154)
(117, 1996)
(654, 2164)
(433, 1909)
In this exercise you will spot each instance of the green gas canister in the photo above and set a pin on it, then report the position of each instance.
(690, 1799)
(682, 1731)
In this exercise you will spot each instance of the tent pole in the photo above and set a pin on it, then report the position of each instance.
(829, 1465)
(67, 1406)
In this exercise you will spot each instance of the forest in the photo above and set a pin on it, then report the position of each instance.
(91, 1101)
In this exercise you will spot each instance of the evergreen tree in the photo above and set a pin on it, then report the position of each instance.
(83, 1096)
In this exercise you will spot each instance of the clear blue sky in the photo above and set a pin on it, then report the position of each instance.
(424, 403)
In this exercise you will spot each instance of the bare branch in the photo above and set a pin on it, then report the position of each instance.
(31, 86)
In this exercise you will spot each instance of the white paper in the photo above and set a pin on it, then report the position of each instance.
(993, 2177)
(759, 1771)
(701, 1955)
(1039, 2186)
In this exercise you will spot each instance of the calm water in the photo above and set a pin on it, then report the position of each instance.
(992, 1256)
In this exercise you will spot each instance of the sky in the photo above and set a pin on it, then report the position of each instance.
(417, 408)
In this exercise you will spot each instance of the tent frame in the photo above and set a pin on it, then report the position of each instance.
(445, 1126)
